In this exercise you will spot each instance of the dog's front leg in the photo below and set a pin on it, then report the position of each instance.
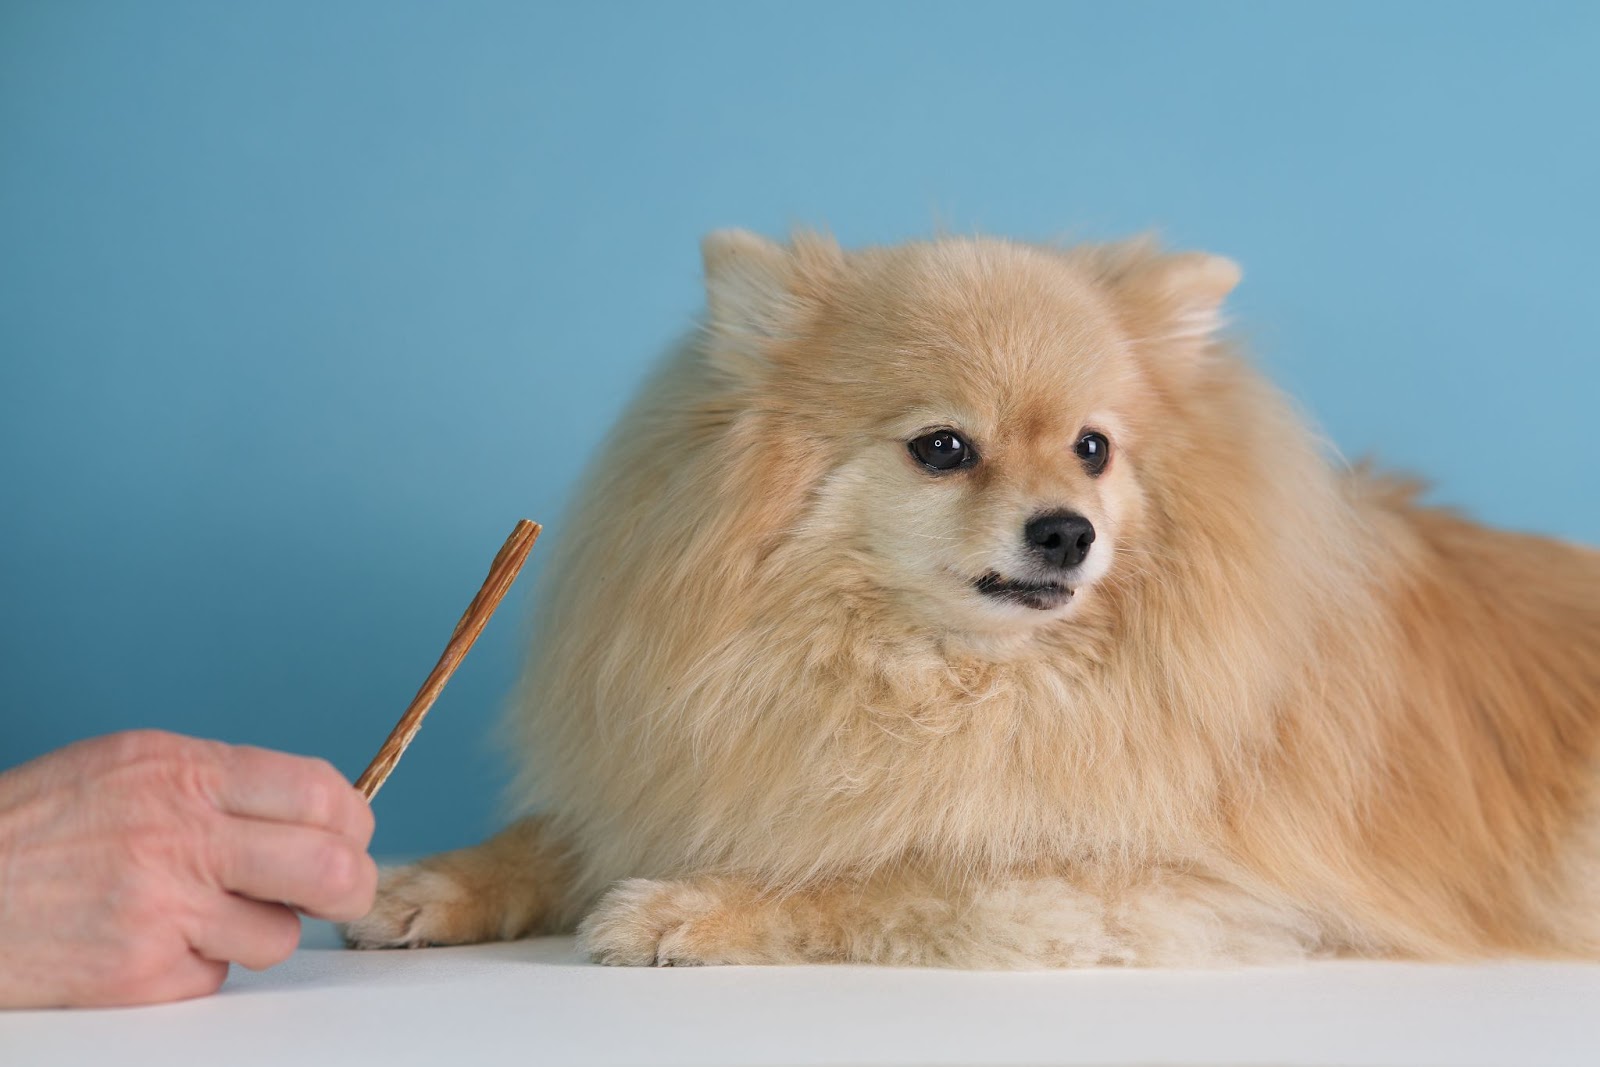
(719, 919)
(510, 886)
(1164, 918)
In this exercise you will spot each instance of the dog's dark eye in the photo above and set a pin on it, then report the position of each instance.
(942, 450)
(1095, 451)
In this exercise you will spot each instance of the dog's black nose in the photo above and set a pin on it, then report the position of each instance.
(1059, 538)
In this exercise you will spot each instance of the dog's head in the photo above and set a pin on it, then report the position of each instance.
(973, 417)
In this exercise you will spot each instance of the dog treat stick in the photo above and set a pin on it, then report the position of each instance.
(502, 572)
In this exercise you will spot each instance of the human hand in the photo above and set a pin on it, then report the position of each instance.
(134, 867)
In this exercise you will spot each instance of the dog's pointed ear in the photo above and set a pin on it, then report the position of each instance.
(1168, 296)
(747, 282)
(760, 293)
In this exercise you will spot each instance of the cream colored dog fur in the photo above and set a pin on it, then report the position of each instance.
(776, 712)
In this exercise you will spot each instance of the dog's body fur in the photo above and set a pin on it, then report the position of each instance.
(1291, 713)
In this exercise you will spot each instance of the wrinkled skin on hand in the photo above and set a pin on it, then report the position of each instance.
(135, 867)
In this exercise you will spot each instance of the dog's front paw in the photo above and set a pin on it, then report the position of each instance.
(415, 907)
(642, 923)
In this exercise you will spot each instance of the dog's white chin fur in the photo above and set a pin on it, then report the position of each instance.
(999, 614)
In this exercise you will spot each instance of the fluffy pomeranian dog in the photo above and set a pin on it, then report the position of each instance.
(971, 603)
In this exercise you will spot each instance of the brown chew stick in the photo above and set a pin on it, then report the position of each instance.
(502, 572)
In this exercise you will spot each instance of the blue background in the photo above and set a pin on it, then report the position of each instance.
(302, 304)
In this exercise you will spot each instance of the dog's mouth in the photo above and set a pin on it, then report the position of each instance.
(1041, 596)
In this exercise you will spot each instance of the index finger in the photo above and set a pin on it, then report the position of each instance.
(259, 783)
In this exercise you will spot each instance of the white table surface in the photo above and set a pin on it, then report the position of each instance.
(537, 1002)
